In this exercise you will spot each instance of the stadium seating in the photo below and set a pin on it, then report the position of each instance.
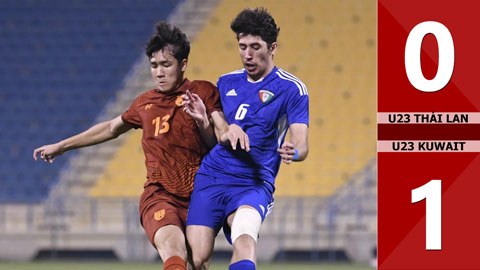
(125, 174)
(62, 61)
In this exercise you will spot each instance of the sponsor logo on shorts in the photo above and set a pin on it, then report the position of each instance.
(159, 215)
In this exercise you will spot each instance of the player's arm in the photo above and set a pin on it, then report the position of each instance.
(206, 132)
(297, 148)
(226, 133)
(99, 133)
(193, 106)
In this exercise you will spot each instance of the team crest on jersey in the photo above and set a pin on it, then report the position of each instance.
(265, 96)
(159, 215)
(178, 101)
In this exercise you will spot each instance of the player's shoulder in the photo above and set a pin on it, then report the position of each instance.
(142, 99)
(236, 74)
(202, 86)
(292, 82)
(146, 95)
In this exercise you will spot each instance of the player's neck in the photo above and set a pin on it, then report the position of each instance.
(178, 84)
(262, 76)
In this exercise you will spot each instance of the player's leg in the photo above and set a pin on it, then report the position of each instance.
(205, 218)
(245, 224)
(200, 240)
(163, 217)
(170, 243)
(249, 205)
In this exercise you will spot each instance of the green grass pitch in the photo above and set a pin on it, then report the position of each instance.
(158, 266)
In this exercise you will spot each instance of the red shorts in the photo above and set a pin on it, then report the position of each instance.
(159, 208)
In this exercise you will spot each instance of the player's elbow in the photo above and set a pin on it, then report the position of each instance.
(302, 153)
(113, 130)
(306, 153)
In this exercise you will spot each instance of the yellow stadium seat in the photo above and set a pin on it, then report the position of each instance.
(331, 47)
(125, 174)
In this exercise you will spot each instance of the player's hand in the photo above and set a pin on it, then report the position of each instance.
(193, 106)
(47, 152)
(287, 152)
(236, 135)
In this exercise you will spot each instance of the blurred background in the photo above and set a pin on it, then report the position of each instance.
(66, 65)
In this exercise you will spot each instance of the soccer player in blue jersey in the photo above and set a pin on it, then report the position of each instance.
(234, 186)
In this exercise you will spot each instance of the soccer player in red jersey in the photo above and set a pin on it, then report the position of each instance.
(173, 142)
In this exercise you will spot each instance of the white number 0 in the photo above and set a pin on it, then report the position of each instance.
(432, 192)
(446, 56)
(241, 111)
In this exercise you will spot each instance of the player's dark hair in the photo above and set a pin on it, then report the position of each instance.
(167, 34)
(256, 22)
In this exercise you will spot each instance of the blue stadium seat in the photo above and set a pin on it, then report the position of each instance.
(62, 61)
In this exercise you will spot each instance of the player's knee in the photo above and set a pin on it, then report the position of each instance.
(171, 247)
(170, 244)
(246, 223)
(200, 259)
(244, 246)
(244, 241)
(200, 263)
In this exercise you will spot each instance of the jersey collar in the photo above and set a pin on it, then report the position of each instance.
(266, 78)
(186, 85)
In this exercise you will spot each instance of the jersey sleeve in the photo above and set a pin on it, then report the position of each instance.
(131, 115)
(211, 98)
(297, 108)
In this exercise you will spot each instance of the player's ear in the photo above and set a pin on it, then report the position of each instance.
(273, 48)
(184, 64)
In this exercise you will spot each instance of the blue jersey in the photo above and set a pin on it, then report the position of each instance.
(264, 110)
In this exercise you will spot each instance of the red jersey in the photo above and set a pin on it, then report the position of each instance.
(171, 141)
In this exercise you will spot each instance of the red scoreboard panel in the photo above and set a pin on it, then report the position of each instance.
(428, 134)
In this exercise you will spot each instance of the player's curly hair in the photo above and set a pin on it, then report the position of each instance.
(167, 34)
(257, 22)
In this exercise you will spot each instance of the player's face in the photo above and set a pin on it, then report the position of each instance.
(167, 72)
(257, 58)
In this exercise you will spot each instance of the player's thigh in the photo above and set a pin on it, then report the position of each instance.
(256, 196)
(207, 207)
(159, 209)
(201, 240)
(232, 215)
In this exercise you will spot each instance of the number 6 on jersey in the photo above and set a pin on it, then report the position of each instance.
(241, 111)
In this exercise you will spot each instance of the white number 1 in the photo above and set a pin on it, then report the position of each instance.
(432, 192)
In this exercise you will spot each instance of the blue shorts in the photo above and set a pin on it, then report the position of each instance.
(214, 199)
